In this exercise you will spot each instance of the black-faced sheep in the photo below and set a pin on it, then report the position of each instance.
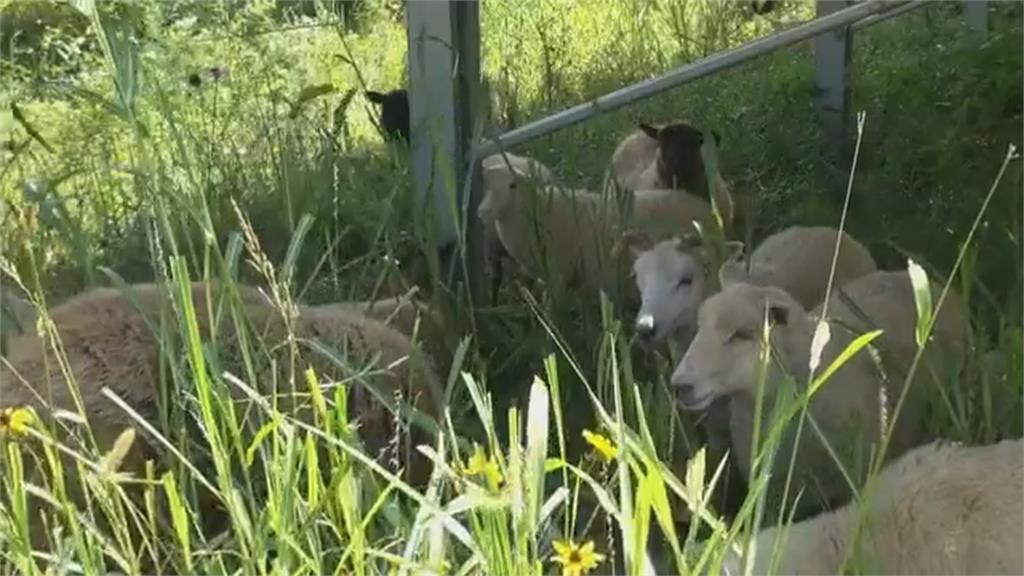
(114, 339)
(669, 157)
(762, 7)
(723, 361)
(394, 113)
(941, 508)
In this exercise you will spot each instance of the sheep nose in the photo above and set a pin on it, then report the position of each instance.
(685, 388)
(645, 326)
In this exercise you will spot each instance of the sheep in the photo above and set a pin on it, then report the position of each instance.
(410, 316)
(112, 340)
(799, 260)
(668, 156)
(762, 7)
(394, 110)
(502, 172)
(723, 361)
(942, 508)
(885, 299)
(671, 275)
(394, 113)
(522, 166)
(671, 278)
(575, 231)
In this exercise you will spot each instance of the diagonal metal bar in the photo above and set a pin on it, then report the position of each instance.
(689, 73)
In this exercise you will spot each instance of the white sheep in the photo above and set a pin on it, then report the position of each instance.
(671, 275)
(668, 156)
(941, 508)
(723, 361)
(503, 172)
(799, 260)
(885, 299)
(671, 278)
(575, 232)
(108, 337)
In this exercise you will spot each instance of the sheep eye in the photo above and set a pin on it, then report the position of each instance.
(739, 335)
(684, 281)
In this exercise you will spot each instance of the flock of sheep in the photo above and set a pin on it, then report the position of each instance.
(935, 508)
(806, 284)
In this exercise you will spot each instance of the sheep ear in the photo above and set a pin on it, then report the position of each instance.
(688, 242)
(651, 131)
(731, 272)
(375, 97)
(778, 315)
(733, 250)
(636, 241)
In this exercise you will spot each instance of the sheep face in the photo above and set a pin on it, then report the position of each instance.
(679, 160)
(723, 359)
(670, 278)
(394, 113)
(499, 196)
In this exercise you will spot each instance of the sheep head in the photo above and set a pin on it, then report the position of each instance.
(723, 358)
(394, 113)
(670, 278)
(679, 160)
(500, 190)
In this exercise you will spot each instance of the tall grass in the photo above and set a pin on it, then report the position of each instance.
(158, 180)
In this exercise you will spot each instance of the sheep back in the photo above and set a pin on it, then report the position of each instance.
(799, 260)
(939, 509)
(113, 339)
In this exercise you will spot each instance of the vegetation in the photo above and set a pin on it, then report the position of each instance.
(141, 140)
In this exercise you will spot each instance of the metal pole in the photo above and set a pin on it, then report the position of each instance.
(432, 112)
(444, 76)
(684, 74)
(832, 81)
(877, 18)
(976, 12)
(470, 122)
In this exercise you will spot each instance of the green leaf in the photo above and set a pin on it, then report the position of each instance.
(35, 134)
(179, 517)
(308, 93)
(922, 300)
(536, 448)
(257, 441)
(854, 347)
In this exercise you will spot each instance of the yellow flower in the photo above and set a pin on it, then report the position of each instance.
(601, 444)
(479, 464)
(576, 560)
(16, 421)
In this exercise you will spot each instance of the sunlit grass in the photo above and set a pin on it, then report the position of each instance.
(559, 448)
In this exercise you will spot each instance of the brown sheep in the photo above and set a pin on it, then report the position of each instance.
(113, 339)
